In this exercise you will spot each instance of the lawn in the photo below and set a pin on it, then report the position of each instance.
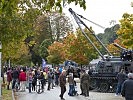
(6, 94)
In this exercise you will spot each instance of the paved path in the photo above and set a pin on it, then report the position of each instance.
(53, 94)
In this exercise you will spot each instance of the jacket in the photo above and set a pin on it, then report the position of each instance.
(9, 76)
(62, 80)
(127, 89)
(22, 76)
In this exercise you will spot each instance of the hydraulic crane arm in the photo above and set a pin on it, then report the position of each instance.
(78, 21)
(93, 33)
(118, 46)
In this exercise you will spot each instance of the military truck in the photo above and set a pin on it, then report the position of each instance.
(103, 76)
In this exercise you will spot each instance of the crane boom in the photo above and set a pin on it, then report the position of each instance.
(93, 33)
(78, 21)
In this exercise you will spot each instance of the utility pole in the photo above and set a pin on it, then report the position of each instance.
(0, 68)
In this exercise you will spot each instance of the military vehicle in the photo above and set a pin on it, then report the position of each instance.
(103, 76)
(72, 66)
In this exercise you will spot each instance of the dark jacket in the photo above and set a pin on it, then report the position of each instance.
(62, 80)
(41, 77)
(127, 89)
(15, 74)
(121, 77)
(34, 79)
(50, 77)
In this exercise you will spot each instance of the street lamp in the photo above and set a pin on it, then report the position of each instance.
(0, 68)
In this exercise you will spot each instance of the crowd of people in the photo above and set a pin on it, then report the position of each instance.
(27, 78)
(59, 76)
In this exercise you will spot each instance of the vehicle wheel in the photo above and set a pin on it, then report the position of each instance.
(38, 89)
(93, 84)
(104, 87)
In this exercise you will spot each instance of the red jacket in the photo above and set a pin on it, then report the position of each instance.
(22, 76)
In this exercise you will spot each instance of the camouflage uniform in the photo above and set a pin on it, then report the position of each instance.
(85, 81)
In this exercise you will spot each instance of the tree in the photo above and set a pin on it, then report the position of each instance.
(74, 47)
(18, 17)
(49, 29)
(108, 38)
(125, 33)
(60, 25)
(53, 26)
(86, 47)
(11, 35)
(43, 48)
(109, 34)
(56, 53)
(42, 5)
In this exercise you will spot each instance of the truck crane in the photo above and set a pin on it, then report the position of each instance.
(103, 77)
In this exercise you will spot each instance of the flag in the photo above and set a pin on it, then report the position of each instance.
(43, 63)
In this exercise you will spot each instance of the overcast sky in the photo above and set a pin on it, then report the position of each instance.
(102, 12)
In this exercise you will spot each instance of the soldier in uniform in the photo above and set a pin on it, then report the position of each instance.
(85, 80)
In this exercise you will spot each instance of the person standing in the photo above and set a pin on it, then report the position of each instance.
(9, 78)
(62, 80)
(81, 73)
(15, 77)
(57, 73)
(34, 81)
(127, 88)
(85, 80)
(53, 77)
(71, 84)
(121, 77)
(49, 79)
(22, 79)
(30, 81)
(41, 77)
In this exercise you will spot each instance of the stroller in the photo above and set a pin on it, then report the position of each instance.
(75, 92)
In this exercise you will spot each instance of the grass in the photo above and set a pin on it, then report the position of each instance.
(6, 94)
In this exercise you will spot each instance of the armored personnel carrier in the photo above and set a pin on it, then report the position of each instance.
(103, 76)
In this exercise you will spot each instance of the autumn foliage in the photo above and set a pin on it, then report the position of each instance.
(74, 47)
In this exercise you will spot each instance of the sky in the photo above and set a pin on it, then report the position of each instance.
(101, 12)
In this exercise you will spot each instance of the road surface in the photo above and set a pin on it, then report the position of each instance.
(53, 94)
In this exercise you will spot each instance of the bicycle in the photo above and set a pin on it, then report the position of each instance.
(39, 89)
